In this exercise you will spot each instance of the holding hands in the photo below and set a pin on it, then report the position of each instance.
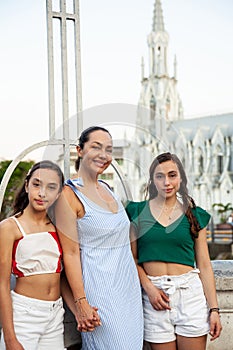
(87, 316)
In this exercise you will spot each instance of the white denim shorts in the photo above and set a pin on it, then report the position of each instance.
(188, 316)
(38, 323)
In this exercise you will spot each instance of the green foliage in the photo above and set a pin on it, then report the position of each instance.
(224, 210)
(14, 184)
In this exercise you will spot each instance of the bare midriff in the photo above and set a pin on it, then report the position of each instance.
(158, 268)
(43, 287)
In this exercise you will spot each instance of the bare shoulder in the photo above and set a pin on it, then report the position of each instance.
(68, 200)
(68, 195)
(9, 229)
(9, 233)
(68, 192)
(7, 224)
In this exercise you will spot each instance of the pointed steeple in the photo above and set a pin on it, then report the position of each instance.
(158, 23)
(159, 91)
(158, 43)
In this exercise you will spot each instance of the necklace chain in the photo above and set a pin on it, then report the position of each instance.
(169, 211)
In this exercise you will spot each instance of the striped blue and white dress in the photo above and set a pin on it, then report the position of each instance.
(110, 276)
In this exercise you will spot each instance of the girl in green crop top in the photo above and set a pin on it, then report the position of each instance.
(170, 248)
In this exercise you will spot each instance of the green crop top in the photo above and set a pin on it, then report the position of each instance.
(155, 242)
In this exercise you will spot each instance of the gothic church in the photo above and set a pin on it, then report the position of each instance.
(204, 144)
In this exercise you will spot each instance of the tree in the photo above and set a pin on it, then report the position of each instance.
(14, 184)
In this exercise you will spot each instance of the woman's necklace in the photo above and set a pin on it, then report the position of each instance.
(169, 211)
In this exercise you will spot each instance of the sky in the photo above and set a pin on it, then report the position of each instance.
(113, 40)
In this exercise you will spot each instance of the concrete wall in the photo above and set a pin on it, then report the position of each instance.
(223, 271)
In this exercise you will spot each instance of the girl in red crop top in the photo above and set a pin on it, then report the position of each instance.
(170, 248)
(32, 314)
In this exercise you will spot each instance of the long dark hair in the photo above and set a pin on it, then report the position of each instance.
(84, 137)
(188, 201)
(21, 200)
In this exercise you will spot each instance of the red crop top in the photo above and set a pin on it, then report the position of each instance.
(36, 253)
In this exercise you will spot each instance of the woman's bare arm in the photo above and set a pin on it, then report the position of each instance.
(68, 208)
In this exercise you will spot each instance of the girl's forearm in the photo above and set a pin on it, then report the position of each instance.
(67, 294)
(6, 314)
(208, 282)
(74, 275)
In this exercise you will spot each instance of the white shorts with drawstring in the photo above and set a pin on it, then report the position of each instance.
(188, 316)
(38, 324)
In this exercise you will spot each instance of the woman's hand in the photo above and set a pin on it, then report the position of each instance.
(158, 299)
(215, 325)
(87, 316)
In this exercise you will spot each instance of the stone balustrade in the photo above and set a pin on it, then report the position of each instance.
(223, 271)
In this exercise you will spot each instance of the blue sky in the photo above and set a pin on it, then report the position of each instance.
(113, 40)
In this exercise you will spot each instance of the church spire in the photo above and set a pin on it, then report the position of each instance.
(158, 43)
(159, 91)
(158, 23)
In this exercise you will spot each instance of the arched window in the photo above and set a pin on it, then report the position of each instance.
(220, 163)
(201, 164)
(199, 161)
(152, 107)
(218, 160)
(168, 107)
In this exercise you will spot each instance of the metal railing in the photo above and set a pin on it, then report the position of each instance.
(220, 235)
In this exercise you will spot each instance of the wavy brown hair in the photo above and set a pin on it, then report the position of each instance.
(188, 201)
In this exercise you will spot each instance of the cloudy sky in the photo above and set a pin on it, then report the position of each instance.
(113, 40)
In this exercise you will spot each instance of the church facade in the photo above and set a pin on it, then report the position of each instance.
(204, 144)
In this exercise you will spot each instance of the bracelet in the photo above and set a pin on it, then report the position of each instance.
(79, 299)
(214, 309)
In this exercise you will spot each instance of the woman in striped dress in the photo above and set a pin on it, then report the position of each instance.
(94, 231)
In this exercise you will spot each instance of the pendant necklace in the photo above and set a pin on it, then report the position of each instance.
(169, 211)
